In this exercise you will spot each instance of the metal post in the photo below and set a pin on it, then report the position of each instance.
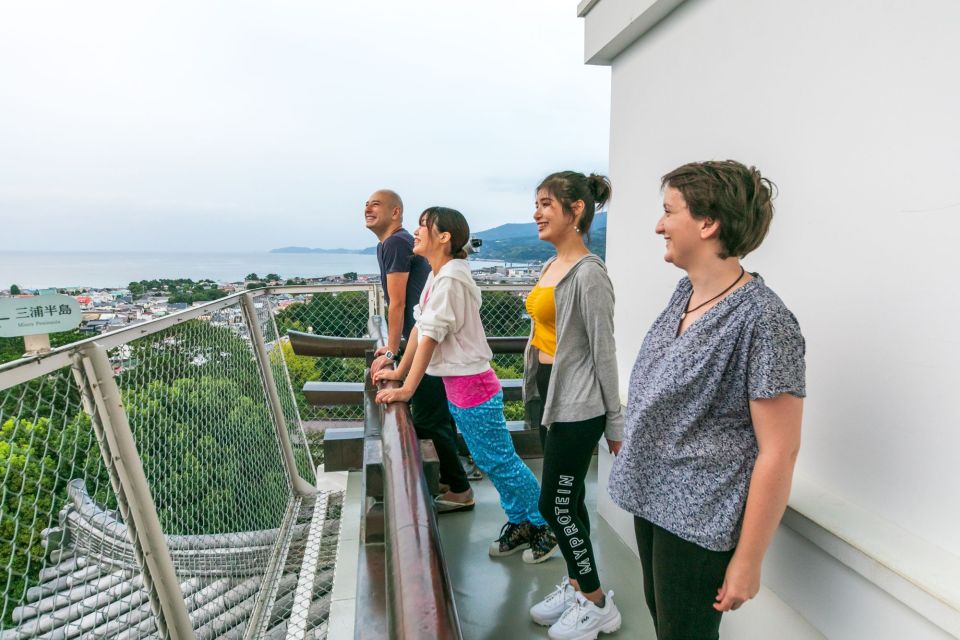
(36, 344)
(300, 486)
(289, 390)
(377, 301)
(134, 497)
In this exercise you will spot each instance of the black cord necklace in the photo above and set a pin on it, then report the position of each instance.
(732, 285)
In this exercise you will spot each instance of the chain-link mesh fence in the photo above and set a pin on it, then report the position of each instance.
(49, 456)
(503, 313)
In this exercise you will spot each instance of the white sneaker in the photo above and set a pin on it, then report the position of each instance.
(549, 610)
(584, 620)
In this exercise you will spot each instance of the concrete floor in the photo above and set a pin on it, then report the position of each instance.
(493, 595)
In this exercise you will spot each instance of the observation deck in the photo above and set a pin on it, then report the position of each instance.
(173, 480)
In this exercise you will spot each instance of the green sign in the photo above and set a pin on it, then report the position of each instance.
(38, 314)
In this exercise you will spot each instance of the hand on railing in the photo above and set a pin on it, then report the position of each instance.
(378, 363)
(384, 374)
(398, 394)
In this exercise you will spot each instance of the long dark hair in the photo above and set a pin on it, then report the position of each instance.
(450, 221)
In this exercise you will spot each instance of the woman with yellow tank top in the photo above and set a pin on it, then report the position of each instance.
(570, 365)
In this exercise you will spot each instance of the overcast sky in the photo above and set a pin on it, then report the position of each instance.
(253, 125)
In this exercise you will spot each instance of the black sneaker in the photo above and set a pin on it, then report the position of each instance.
(513, 538)
(543, 545)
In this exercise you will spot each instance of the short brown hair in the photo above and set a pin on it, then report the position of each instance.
(450, 221)
(731, 193)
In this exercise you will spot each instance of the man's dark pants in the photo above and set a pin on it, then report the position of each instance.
(432, 421)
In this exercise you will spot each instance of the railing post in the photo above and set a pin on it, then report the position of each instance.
(300, 486)
(377, 302)
(102, 397)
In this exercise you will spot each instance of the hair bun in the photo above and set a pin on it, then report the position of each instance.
(600, 189)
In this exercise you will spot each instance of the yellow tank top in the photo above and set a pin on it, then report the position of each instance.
(541, 307)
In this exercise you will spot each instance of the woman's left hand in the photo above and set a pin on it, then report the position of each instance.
(382, 374)
(401, 394)
(741, 583)
(614, 446)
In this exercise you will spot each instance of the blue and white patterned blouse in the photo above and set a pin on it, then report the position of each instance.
(689, 446)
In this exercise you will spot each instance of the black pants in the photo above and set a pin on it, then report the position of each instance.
(432, 421)
(567, 452)
(680, 582)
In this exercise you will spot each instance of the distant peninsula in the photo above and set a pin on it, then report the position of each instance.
(367, 251)
(514, 242)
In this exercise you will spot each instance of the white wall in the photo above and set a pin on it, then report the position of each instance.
(854, 112)
(853, 109)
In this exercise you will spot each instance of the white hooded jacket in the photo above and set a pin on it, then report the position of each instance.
(449, 312)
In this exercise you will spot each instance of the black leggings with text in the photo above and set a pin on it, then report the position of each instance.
(567, 452)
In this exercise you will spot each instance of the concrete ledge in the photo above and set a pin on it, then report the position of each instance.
(343, 603)
(919, 574)
(333, 393)
(613, 25)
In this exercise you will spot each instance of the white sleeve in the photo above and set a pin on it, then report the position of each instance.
(438, 315)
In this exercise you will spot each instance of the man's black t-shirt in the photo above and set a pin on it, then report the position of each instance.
(395, 255)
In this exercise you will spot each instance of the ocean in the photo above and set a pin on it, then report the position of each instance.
(38, 269)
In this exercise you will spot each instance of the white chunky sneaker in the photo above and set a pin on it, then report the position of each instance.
(549, 610)
(584, 620)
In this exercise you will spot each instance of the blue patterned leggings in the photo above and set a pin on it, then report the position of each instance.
(484, 430)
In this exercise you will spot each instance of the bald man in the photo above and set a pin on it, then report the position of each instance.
(402, 276)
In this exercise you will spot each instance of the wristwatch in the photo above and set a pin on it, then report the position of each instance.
(390, 355)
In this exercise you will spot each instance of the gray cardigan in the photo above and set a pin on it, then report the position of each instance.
(583, 382)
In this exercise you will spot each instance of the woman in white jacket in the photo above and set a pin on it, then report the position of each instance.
(449, 342)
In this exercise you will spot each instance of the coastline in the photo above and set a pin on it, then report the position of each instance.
(117, 269)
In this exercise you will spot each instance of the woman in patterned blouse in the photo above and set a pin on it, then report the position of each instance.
(714, 407)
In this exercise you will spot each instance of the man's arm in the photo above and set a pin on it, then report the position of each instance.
(411, 369)
(397, 292)
(776, 421)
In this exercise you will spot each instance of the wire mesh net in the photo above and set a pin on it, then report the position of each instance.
(336, 313)
(291, 414)
(49, 460)
(246, 551)
(198, 412)
(301, 592)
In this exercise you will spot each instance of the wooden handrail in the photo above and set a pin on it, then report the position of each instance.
(507, 344)
(419, 591)
(418, 602)
(308, 344)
